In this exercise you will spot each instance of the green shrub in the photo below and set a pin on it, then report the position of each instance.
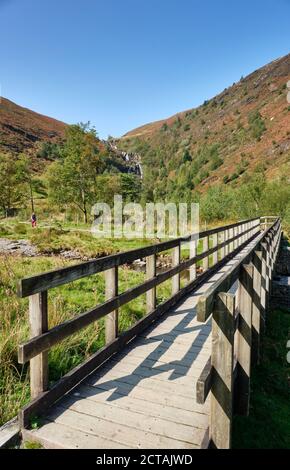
(256, 125)
(20, 229)
(4, 231)
(226, 179)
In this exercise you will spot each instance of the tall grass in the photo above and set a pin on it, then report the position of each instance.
(64, 303)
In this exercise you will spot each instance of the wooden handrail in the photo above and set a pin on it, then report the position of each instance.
(226, 244)
(237, 324)
(46, 340)
(206, 301)
(42, 282)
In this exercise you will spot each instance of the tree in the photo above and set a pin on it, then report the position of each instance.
(131, 187)
(73, 179)
(13, 189)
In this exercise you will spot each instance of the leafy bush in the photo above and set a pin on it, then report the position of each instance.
(256, 124)
(20, 229)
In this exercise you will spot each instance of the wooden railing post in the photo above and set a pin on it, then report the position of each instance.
(205, 246)
(244, 340)
(223, 329)
(175, 262)
(214, 244)
(236, 231)
(111, 291)
(231, 236)
(265, 276)
(192, 254)
(257, 318)
(150, 273)
(38, 324)
(222, 240)
(239, 228)
(227, 247)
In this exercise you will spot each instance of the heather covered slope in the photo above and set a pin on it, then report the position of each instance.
(243, 129)
(21, 129)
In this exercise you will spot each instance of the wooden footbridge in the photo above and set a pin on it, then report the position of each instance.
(175, 378)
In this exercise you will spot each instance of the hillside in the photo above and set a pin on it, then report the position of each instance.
(22, 129)
(223, 141)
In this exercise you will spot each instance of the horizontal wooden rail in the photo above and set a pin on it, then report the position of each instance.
(42, 282)
(205, 304)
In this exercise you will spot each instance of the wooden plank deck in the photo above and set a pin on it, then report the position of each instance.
(145, 397)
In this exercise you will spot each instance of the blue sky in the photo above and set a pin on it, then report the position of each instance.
(123, 63)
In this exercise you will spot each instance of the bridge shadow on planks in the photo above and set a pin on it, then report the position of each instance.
(151, 365)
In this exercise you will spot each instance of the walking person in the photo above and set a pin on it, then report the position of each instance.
(33, 220)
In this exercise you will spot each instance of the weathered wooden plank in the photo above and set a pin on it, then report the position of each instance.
(257, 306)
(125, 402)
(151, 273)
(205, 249)
(135, 420)
(148, 395)
(142, 371)
(223, 330)
(192, 254)
(222, 240)
(184, 389)
(120, 433)
(242, 386)
(38, 325)
(58, 436)
(9, 434)
(205, 304)
(176, 368)
(111, 291)
(175, 262)
(203, 384)
(215, 244)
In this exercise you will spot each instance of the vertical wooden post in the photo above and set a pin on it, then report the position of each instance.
(231, 236)
(205, 245)
(223, 239)
(192, 254)
(257, 307)
(246, 229)
(235, 233)
(150, 273)
(265, 275)
(111, 290)
(244, 340)
(176, 262)
(243, 230)
(227, 236)
(38, 324)
(239, 233)
(215, 243)
(223, 330)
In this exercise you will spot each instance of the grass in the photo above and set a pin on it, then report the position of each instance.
(51, 240)
(268, 425)
(64, 303)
